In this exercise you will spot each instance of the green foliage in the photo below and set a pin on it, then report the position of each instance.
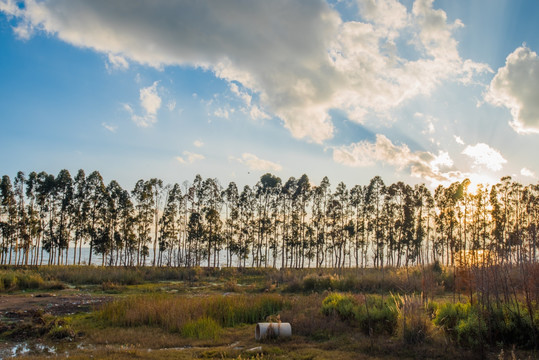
(377, 317)
(345, 306)
(473, 325)
(204, 328)
(449, 315)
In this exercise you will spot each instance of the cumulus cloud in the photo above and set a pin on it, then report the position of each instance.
(516, 86)
(253, 162)
(484, 155)
(189, 157)
(300, 58)
(420, 164)
(150, 102)
(527, 173)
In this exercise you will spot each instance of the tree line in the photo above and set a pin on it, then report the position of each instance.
(274, 223)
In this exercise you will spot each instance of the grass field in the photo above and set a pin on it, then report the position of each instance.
(178, 313)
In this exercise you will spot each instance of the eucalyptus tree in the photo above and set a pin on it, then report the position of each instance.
(34, 223)
(144, 214)
(287, 199)
(22, 240)
(267, 192)
(231, 201)
(531, 201)
(359, 205)
(247, 223)
(156, 188)
(169, 226)
(97, 207)
(375, 201)
(47, 211)
(401, 222)
(211, 210)
(64, 197)
(126, 231)
(79, 211)
(8, 217)
(338, 216)
(302, 198)
(321, 196)
(424, 206)
(116, 225)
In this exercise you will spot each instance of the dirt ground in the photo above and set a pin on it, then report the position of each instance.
(14, 307)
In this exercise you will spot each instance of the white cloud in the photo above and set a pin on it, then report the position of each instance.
(109, 127)
(198, 143)
(253, 162)
(516, 86)
(527, 172)
(221, 113)
(189, 157)
(150, 103)
(458, 140)
(420, 164)
(300, 58)
(171, 105)
(435, 169)
(150, 100)
(116, 62)
(484, 155)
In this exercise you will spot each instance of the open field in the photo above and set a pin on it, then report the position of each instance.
(184, 313)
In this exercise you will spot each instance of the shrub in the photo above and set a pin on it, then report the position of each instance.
(317, 283)
(377, 317)
(471, 331)
(373, 316)
(344, 306)
(449, 315)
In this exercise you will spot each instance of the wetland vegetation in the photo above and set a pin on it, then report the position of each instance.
(81, 312)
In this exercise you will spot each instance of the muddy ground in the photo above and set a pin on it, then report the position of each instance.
(13, 307)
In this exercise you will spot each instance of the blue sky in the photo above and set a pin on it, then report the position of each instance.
(416, 91)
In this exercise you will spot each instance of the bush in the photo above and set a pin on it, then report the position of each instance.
(471, 331)
(344, 306)
(373, 316)
(449, 315)
(377, 317)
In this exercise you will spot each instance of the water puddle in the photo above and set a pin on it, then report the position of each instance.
(27, 348)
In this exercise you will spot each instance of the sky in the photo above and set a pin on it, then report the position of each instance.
(417, 91)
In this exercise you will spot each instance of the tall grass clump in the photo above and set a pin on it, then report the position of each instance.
(172, 313)
(13, 280)
(414, 323)
(204, 328)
